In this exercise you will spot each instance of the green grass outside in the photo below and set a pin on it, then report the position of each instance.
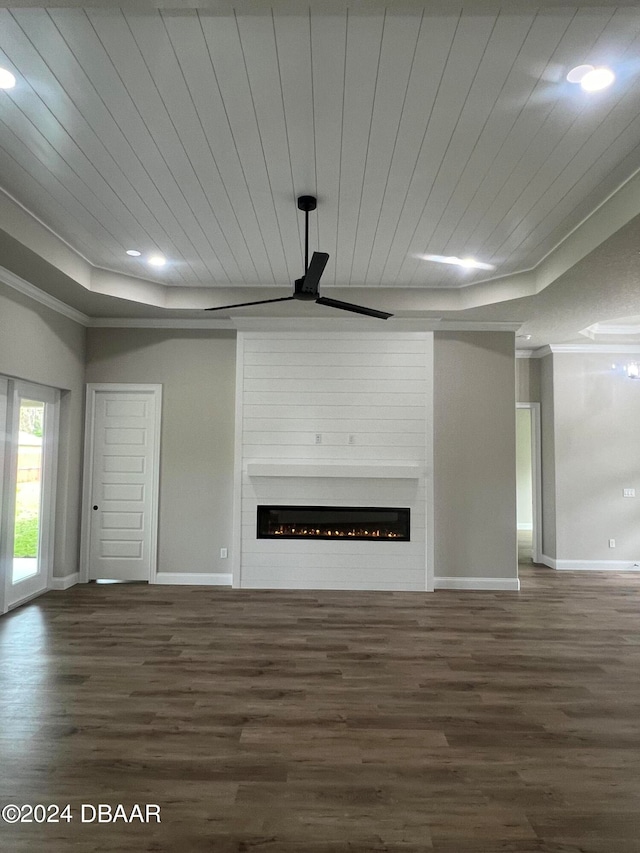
(27, 518)
(26, 538)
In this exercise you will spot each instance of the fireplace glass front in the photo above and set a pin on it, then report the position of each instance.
(334, 522)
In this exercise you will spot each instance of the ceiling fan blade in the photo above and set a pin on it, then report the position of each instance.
(357, 309)
(243, 304)
(313, 274)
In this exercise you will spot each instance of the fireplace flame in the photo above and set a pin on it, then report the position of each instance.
(360, 533)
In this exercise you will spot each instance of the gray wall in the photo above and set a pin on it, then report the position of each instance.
(197, 371)
(474, 389)
(474, 454)
(528, 380)
(597, 455)
(39, 345)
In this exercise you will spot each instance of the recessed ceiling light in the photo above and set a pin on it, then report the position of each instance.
(157, 260)
(591, 79)
(7, 80)
(467, 263)
(576, 74)
(134, 253)
(597, 79)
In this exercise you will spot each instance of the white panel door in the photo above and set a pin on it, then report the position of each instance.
(123, 483)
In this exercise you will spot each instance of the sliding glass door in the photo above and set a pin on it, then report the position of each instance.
(30, 449)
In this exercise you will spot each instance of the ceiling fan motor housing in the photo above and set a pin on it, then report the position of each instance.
(307, 203)
(301, 293)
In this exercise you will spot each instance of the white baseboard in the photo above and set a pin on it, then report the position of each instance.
(65, 582)
(525, 525)
(508, 584)
(591, 565)
(351, 586)
(195, 578)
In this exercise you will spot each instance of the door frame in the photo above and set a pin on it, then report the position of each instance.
(93, 388)
(536, 478)
(9, 417)
(4, 470)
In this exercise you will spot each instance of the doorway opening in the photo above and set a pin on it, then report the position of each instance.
(528, 482)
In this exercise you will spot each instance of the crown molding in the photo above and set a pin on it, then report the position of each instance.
(158, 323)
(598, 330)
(318, 324)
(540, 352)
(337, 323)
(267, 324)
(603, 349)
(16, 283)
(597, 348)
(478, 326)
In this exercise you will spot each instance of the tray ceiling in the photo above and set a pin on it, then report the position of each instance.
(192, 133)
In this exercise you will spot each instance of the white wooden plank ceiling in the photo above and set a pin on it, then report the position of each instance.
(193, 133)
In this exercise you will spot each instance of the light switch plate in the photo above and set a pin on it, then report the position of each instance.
(629, 493)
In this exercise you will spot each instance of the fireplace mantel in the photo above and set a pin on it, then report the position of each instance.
(334, 469)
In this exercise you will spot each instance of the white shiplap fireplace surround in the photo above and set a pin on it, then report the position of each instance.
(334, 419)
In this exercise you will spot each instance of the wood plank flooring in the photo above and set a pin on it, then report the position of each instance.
(316, 722)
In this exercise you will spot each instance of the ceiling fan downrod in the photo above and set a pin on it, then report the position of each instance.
(306, 203)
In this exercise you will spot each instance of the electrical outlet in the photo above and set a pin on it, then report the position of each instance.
(612, 543)
(318, 438)
(352, 439)
(628, 493)
(224, 553)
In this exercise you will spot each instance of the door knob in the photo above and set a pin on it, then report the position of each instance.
(95, 506)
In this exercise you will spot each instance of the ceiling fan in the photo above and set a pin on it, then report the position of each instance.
(306, 288)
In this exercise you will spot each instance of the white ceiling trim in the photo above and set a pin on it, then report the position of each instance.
(16, 283)
(479, 325)
(308, 324)
(616, 211)
(396, 324)
(158, 323)
(603, 349)
(21, 224)
(334, 324)
(599, 330)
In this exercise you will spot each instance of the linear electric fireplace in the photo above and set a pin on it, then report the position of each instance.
(334, 522)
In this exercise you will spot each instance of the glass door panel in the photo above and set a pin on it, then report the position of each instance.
(28, 504)
(31, 441)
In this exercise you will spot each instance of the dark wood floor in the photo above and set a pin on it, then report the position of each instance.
(308, 722)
